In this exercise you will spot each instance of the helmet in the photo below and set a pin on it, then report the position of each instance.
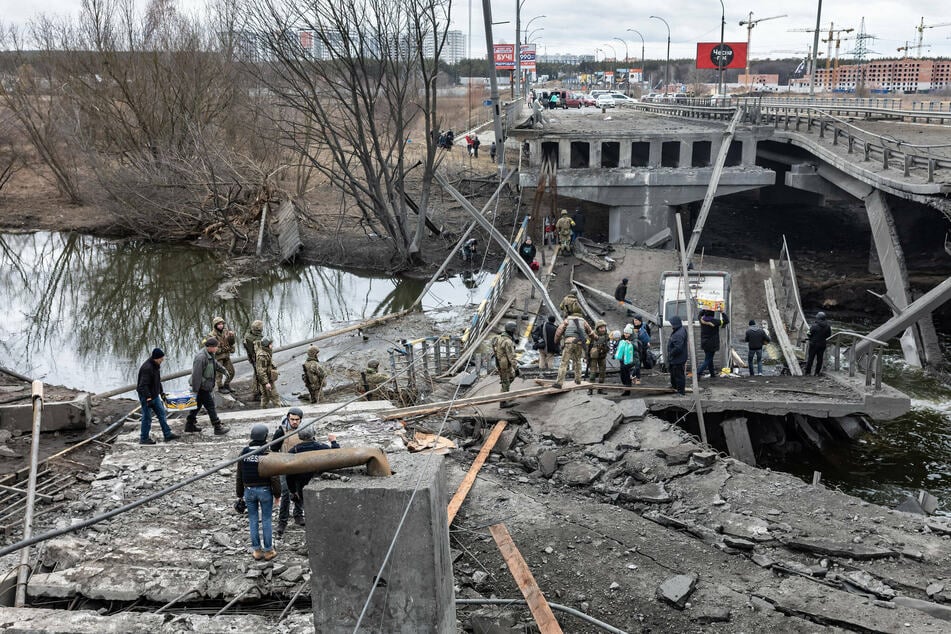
(307, 433)
(510, 327)
(313, 351)
(295, 411)
(266, 341)
(820, 315)
(259, 432)
(373, 363)
(564, 212)
(600, 323)
(257, 326)
(572, 293)
(216, 321)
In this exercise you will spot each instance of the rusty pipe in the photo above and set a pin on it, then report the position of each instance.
(325, 460)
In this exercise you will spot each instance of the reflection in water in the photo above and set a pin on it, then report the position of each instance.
(85, 312)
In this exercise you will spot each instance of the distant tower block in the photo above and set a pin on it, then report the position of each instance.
(349, 529)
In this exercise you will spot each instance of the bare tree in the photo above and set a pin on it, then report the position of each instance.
(10, 159)
(352, 79)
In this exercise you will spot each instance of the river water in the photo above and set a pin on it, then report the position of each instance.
(85, 312)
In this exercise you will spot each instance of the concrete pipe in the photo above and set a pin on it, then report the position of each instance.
(325, 460)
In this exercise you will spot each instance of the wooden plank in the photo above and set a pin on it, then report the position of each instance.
(544, 617)
(469, 480)
(779, 330)
(738, 440)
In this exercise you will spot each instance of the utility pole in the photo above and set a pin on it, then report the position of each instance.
(643, 72)
(815, 51)
(720, 65)
(493, 83)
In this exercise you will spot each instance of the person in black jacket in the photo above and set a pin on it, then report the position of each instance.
(527, 251)
(620, 292)
(756, 337)
(259, 493)
(297, 481)
(677, 355)
(544, 337)
(818, 333)
(149, 389)
(710, 326)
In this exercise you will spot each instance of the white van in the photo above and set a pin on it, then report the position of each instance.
(708, 290)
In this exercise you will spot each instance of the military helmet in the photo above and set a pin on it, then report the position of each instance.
(216, 321)
(510, 327)
(564, 212)
(600, 323)
(257, 324)
(572, 293)
(266, 341)
(373, 363)
(259, 432)
(313, 351)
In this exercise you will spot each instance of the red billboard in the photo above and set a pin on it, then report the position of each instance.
(709, 55)
(504, 56)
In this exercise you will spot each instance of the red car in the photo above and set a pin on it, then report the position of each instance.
(577, 100)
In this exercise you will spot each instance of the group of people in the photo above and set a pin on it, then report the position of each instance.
(260, 493)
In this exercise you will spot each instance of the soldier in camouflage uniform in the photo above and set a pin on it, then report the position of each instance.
(573, 330)
(598, 353)
(570, 304)
(266, 374)
(373, 379)
(503, 346)
(314, 374)
(251, 341)
(563, 227)
(226, 346)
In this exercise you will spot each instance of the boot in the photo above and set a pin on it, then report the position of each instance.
(556, 385)
(281, 527)
(192, 427)
(591, 392)
(220, 430)
(225, 389)
(506, 404)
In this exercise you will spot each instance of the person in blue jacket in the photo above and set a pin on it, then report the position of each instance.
(677, 355)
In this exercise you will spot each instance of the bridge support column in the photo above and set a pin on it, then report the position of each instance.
(686, 154)
(748, 155)
(624, 160)
(637, 224)
(920, 342)
(656, 152)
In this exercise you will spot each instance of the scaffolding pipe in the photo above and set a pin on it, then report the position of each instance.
(23, 572)
(327, 460)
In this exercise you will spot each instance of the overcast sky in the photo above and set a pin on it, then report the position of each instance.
(581, 26)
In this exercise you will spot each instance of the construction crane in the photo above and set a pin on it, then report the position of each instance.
(907, 48)
(749, 24)
(834, 34)
(921, 31)
(834, 78)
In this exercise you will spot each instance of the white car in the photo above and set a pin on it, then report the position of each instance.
(605, 100)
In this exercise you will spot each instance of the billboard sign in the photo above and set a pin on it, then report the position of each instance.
(710, 55)
(527, 57)
(504, 56)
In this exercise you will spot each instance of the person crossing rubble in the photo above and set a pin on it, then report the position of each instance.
(266, 373)
(503, 347)
(574, 330)
(372, 379)
(755, 337)
(570, 304)
(819, 332)
(251, 341)
(598, 344)
(626, 357)
(284, 439)
(149, 389)
(204, 368)
(297, 481)
(226, 346)
(259, 494)
(677, 355)
(710, 326)
(564, 227)
(314, 374)
(544, 338)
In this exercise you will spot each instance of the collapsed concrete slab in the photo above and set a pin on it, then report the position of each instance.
(572, 416)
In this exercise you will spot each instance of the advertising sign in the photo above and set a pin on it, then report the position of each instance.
(528, 56)
(710, 55)
(637, 74)
(504, 56)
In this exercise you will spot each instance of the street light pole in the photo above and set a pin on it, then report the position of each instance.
(667, 64)
(519, 58)
(815, 53)
(518, 49)
(643, 73)
(720, 53)
(627, 81)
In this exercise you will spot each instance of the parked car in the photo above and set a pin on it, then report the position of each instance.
(577, 100)
(652, 97)
(680, 97)
(606, 100)
(621, 99)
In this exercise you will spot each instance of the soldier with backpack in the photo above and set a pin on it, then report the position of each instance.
(503, 347)
(598, 344)
(314, 374)
(574, 330)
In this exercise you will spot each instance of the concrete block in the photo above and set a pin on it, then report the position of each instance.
(633, 408)
(347, 544)
(677, 590)
(738, 440)
(580, 473)
(659, 238)
(74, 414)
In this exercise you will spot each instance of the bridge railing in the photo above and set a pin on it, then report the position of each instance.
(793, 314)
(889, 153)
(846, 339)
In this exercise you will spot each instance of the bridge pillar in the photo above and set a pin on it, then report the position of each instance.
(748, 156)
(920, 342)
(686, 154)
(656, 152)
(624, 160)
(631, 224)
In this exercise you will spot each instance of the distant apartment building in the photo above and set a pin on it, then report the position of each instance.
(453, 49)
(886, 76)
(569, 59)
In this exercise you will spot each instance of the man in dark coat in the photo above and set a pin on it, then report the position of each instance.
(818, 333)
(527, 251)
(710, 326)
(544, 336)
(149, 389)
(756, 337)
(620, 293)
(204, 368)
(677, 355)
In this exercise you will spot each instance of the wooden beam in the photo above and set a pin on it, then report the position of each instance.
(469, 480)
(779, 330)
(544, 617)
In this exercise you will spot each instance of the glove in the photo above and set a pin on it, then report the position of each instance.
(240, 507)
(517, 373)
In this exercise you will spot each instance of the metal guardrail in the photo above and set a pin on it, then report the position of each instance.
(493, 295)
(793, 314)
(423, 359)
(873, 368)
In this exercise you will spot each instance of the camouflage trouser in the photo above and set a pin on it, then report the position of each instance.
(222, 379)
(597, 368)
(270, 398)
(571, 354)
(506, 374)
(565, 239)
(315, 393)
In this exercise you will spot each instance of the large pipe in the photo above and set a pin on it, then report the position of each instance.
(327, 460)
